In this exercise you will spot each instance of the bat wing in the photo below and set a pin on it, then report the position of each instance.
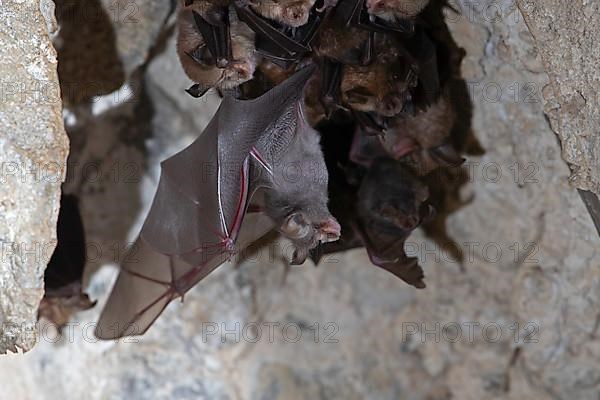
(216, 35)
(283, 45)
(386, 250)
(196, 221)
(149, 280)
(267, 30)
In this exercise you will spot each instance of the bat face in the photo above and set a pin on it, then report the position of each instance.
(389, 10)
(384, 86)
(199, 64)
(376, 88)
(293, 13)
(421, 141)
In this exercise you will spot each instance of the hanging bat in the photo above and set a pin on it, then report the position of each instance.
(391, 204)
(205, 208)
(211, 19)
(200, 61)
(292, 13)
(344, 44)
(422, 141)
(62, 278)
(285, 29)
(394, 10)
(383, 87)
(357, 13)
(378, 202)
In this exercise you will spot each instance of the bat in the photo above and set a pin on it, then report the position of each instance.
(211, 18)
(292, 13)
(422, 141)
(377, 201)
(284, 29)
(214, 198)
(200, 60)
(393, 10)
(383, 87)
(62, 278)
(356, 13)
(296, 195)
(391, 204)
(344, 44)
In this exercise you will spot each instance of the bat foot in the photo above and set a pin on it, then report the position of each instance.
(197, 90)
(298, 257)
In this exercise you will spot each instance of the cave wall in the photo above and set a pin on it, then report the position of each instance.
(33, 151)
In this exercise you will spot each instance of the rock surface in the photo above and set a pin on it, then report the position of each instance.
(517, 319)
(567, 40)
(33, 149)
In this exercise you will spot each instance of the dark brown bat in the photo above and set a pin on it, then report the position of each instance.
(62, 277)
(205, 210)
(393, 10)
(343, 43)
(422, 141)
(383, 87)
(356, 12)
(199, 61)
(391, 204)
(378, 202)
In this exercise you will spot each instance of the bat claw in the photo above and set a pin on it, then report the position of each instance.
(197, 90)
(298, 257)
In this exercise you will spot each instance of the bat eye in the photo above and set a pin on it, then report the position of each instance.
(359, 95)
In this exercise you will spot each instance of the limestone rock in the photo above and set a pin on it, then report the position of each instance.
(566, 37)
(33, 150)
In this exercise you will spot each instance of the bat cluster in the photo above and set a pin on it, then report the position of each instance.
(334, 114)
(377, 67)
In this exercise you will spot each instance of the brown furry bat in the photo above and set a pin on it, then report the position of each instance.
(392, 10)
(422, 141)
(199, 64)
(382, 87)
